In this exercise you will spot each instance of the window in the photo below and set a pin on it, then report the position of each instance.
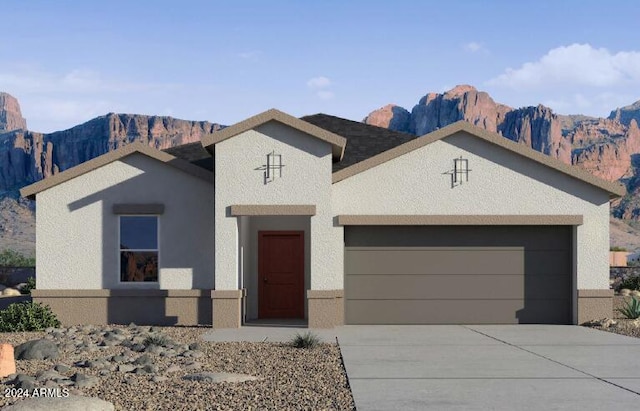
(139, 248)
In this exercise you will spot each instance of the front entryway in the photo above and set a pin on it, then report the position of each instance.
(281, 274)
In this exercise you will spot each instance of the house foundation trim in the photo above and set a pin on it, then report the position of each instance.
(594, 305)
(227, 308)
(123, 306)
(460, 220)
(326, 308)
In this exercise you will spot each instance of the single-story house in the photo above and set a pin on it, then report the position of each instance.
(325, 220)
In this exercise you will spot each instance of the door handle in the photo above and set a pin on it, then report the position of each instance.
(265, 279)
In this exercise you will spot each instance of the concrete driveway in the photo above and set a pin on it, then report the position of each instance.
(492, 367)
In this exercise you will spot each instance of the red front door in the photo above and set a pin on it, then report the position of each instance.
(281, 274)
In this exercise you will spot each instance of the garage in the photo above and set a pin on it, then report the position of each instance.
(458, 274)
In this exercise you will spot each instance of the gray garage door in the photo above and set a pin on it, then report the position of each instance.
(458, 274)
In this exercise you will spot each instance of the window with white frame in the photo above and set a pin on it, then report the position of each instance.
(138, 248)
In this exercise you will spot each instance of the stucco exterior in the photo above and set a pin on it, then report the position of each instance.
(306, 179)
(77, 231)
(500, 182)
(209, 222)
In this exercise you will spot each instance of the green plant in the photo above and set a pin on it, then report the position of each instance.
(156, 339)
(31, 285)
(631, 309)
(27, 316)
(11, 258)
(632, 283)
(306, 340)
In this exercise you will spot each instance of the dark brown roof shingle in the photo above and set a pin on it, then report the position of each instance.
(363, 140)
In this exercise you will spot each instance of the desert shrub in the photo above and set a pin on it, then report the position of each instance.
(631, 309)
(11, 258)
(27, 316)
(632, 283)
(306, 340)
(156, 339)
(31, 285)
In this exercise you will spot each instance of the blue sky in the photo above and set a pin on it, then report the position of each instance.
(69, 61)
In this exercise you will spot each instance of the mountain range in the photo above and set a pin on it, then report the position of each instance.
(607, 147)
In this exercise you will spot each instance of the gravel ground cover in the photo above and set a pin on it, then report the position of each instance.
(618, 324)
(289, 378)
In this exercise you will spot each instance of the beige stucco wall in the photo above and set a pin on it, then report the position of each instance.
(76, 234)
(500, 182)
(306, 179)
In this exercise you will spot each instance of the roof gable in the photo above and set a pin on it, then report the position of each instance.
(337, 142)
(615, 189)
(136, 147)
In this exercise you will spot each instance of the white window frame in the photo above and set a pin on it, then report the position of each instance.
(119, 251)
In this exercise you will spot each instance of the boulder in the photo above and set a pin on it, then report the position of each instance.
(7, 360)
(36, 350)
(11, 292)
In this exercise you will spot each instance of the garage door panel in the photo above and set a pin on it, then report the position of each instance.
(455, 312)
(458, 274)
(428, 260)
(530, 237)
(548, 262)
(469, 286)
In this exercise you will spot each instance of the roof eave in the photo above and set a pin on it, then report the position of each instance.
(31, 190)
(337, 142)
(614, 189)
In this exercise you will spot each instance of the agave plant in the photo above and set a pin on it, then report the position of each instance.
(631, 310)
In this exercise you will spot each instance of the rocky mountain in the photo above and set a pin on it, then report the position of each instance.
(608, 148)
(27, 156)
(626, 114)
(537, 127)
(10, 114)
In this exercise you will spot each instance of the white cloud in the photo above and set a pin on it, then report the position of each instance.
(574, 65)
(60, 113)
(318, 82)
(320, 85)
(250, 55)
(51, 100)
(30, 79)
(325, 95)
(474, 47)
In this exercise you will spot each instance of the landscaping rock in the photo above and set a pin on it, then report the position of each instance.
(219, 377)
(7, 360)
(36, 350)
(70, 403)
(604, 323)
(11, 292)
(126, 368)
(84, 381)
(62, 368)
(143, 360)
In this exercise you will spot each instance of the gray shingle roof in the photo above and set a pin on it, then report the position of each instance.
(363, 141)
(193, 153)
